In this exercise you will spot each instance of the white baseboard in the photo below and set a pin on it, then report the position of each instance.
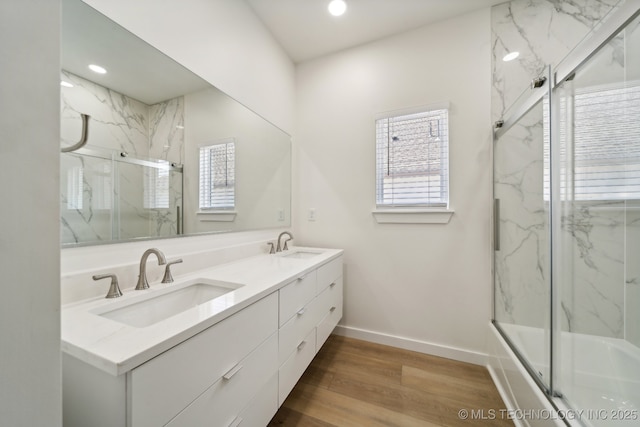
(413, 345)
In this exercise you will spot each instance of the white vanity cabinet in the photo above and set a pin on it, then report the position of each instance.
(236, 372)
(310, 308)
(209, 379)
(226, 363)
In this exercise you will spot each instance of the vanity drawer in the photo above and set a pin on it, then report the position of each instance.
(221, 403)
(261, 408)
(330, 302)
(329, 273)
(295, 295)
(297, 328)
(291, 371)
(162, 387)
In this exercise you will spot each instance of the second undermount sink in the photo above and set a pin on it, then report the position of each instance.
(144, 313)
(300, 254)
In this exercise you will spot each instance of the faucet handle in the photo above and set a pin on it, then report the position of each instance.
(285, 247)
(114, 289)
(168, 278)
(272, 249)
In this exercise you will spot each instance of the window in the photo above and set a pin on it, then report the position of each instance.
(102, 186)
(156, 188)
(217, 175)
(412, 160)
(75, 188)
(603, 163)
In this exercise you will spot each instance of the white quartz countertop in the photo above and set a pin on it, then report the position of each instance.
(117, 348)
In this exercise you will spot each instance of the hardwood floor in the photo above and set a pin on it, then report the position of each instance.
(358, 383)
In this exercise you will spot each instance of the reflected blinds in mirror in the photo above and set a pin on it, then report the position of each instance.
(156, 188)
(217, 175)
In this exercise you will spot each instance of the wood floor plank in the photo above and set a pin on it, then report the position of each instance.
(426, 406)
(410, 358)
(358, 383)
(287, 417)
(344, 411)
(317, 376)
(452, 387)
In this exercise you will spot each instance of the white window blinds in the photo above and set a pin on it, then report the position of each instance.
(412, 159)
(217, 176)
(156, 188)
(603, 163)
(75, 188)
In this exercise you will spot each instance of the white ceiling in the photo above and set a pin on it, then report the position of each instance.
(306, 30)
(135, 68)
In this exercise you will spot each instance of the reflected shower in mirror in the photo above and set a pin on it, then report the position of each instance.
(139, 174)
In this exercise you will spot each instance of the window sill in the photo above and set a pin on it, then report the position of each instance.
(412, 216)
(217, 216)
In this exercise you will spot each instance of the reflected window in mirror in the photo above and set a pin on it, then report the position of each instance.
(74, 188)
(217, 175)
(156, 188)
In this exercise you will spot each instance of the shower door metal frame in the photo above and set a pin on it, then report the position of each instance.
(541, 87)
(601, 35)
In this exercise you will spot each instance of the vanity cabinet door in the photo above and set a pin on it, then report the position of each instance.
(221, 404)
(295, 295)
(295, 365)
(165, 385)
(330, 308)
(262, 407)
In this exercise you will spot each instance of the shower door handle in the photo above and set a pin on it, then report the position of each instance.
(496, 224)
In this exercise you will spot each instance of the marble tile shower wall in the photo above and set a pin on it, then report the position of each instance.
(121, 124)
(521, 264)
(544, 32)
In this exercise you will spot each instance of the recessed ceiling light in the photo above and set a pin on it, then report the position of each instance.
(337, 7)
(97, 69)
(510, 56)
(65, 84)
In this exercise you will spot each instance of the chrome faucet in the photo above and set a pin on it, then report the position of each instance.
(142, 277)
(281, 248)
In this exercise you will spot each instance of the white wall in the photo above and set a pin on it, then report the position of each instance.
(262, 163)
(223, 42)
(30, 373)
(428, 283)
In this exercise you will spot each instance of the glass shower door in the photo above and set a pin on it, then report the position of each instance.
(598, 133)
(521, 257)
(150, 196)
(107, 197)
(87, 198)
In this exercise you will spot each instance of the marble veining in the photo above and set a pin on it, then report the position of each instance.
(592, 244)
(544, 32)
(521, 265)
(104, 200)
(166, 130)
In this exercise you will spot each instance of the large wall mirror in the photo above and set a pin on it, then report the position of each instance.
(166, 153)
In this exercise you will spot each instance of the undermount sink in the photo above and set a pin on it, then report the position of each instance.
(300, 254)
(152, 310)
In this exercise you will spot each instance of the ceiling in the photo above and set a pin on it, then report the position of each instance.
(306, 30)
(135, 68)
